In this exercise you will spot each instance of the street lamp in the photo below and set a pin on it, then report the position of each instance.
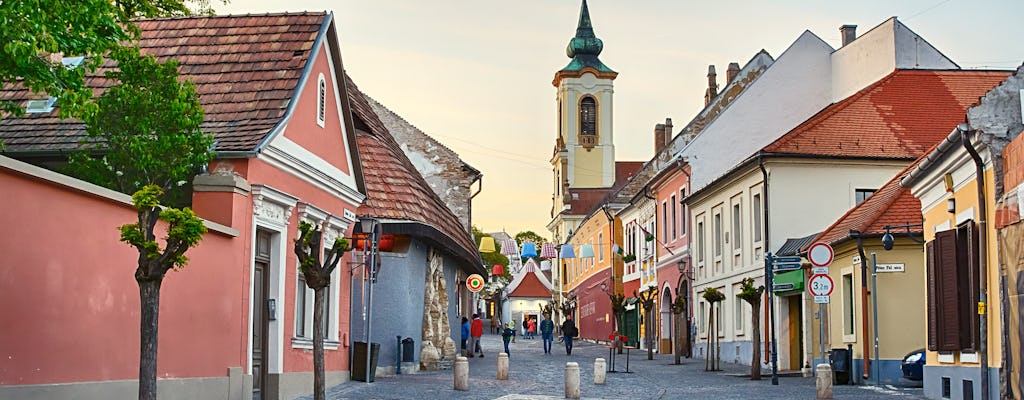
(369, 225)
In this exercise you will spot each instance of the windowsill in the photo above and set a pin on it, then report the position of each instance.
(307, 343)
(969, 358)
(946, 358)
(738, 333)
(849, 338)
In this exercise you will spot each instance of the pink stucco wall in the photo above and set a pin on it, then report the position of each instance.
(71, 303)
(303, 128)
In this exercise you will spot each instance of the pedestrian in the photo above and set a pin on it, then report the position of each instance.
(512, 324)
(494, 325)
(476, 330)
(506, 336)
(531, 327)
(569, 331)
(465, 335)
(547, 329)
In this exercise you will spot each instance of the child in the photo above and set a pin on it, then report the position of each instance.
(506, 336)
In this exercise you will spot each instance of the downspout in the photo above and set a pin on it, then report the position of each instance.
(767, 243)
(469, 204)
(863, 304)
(979, 167)
(689, 265)
(611, 239)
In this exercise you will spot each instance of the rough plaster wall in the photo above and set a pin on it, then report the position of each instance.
(440, 166)
(999, 116)
(437, 337)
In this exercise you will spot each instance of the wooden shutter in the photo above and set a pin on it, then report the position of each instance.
(968, 256)
(948, 310)
(931, 295)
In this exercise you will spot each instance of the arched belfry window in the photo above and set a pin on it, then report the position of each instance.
(588, 122)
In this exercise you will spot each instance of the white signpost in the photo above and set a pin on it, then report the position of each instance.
(820, 285)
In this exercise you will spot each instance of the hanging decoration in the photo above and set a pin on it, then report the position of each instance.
(547, 250)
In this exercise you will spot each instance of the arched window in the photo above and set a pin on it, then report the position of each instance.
(321, 100)
(588, 116)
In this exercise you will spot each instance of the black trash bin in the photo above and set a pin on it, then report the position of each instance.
(407, 350)
(840, 361)
(359, 361)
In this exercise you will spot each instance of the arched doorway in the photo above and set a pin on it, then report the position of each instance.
(665, 331)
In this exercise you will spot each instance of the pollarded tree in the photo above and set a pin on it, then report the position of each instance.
(147, 128)
(712, 296)
(318, 278)
(678, 308)
(752, 296)
(647, 302)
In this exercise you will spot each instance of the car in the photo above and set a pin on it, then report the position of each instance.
(913, 366)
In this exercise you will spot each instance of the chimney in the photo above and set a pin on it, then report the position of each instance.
(732, 72)
(712, 86)
(849, 33)
(668, 131)
(659, 138)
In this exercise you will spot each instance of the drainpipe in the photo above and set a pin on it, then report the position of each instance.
(866, 350)
(469, 204)
(689, 255)
(979, 167)
(611, 239)
(771, 307)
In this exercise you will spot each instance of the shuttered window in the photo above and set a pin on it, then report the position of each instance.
(952, 263)
(588, 116)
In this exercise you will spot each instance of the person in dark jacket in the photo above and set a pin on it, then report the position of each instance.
(465, 335)
(547, 329)
(506, 336)
(569, 331)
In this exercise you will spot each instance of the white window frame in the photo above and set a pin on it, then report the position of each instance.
(849, 305)
(675, 217)
(600, 246)
(321, 100)
(335, 228)
(739, 317)
(756, 221)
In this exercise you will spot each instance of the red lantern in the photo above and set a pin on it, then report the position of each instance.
(386, 243)
(498, 270)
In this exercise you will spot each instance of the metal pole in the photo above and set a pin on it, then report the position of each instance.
(370, 269)
(821, 329)
(874, 303)
(771, 316)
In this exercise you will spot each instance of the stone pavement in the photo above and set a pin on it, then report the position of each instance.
(535, 375)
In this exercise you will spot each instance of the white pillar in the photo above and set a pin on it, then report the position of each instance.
(600, 371)
(823, 378)
(461, 373)
(502, 366)
(572, 380)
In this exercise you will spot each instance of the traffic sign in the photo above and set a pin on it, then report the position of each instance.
(782, 287)
(819, 271)
(474, 283)
(820, 299)
(789, 263)
(820, 285)
(820, 254)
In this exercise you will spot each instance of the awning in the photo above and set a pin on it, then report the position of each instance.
(789, 283)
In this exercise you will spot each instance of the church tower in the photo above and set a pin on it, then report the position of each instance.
(584, 155)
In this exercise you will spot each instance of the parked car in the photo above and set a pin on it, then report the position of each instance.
(913, 366)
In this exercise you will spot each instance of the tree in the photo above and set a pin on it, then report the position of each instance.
(147, 127)
(712, 295)
(678, 308)
(647, 301)
(618, 301)
(752, 296)
(495, 289)
(318, 278)
(529, 236)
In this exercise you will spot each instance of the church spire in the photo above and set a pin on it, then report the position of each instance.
(584, 48)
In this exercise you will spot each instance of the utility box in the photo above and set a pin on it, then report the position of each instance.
(840, 361)
(408, 350)
(359, 361)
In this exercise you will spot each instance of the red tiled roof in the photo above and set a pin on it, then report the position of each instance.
(900, 116)
(394, 189)
(626, 169)
(245, 68)
(890, 205)
(530, 286)
(590, 198)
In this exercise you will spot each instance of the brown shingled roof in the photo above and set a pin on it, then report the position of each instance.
(395, 190)
(246, 69)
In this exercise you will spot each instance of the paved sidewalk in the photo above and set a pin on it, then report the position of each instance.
(535, 375)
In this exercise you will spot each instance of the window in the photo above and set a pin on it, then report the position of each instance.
(682, 212)
(740, 317)
(321, 101)
(664, 220)
(737, 233)
(674, 218)
(952, 289)
(301, 313)
(588, 116)
(848, 320)
(862, 194)
(718, 319)
(756, 217)
(718, 235)
(702, 321)
(700, 242)
(600, 246)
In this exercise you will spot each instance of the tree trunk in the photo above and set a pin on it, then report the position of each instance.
(677, 340)
(319, 386)
(711, 326)
(650, 337)
(149, 296)
(755, 360)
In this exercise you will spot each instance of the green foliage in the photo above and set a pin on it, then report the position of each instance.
(679, 305)
(529, 236)
(629, 257)
(184, 230)
(490, 259)
(712, 295)
(146, 126)
(749, 293)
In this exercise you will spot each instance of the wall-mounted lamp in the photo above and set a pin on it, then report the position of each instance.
(947, 180)
(951, 205)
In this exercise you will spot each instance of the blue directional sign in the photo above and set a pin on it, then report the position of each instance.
(790, 263)
(782, 287)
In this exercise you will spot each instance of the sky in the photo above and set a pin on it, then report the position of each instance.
(476, 75)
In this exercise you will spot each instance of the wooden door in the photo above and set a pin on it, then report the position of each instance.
(261, 315)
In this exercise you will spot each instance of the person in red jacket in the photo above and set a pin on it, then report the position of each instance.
(476, 330)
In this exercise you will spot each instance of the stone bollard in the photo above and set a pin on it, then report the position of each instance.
(823, 377)
(572, 380)
(600, 371)
(502, 366)
(461, 373)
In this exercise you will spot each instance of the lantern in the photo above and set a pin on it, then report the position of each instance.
(567, 251)
(587, 251)
(487, 244)
(547, 250)
(498, 270)
(529, 250)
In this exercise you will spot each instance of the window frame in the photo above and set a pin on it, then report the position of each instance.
(321, 100)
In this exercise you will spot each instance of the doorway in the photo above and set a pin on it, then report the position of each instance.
(262, 310)
(796, 331)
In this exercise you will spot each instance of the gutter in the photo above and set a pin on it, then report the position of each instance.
(979, 166)
(770, 321)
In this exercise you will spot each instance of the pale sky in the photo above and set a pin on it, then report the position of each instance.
(476, 75)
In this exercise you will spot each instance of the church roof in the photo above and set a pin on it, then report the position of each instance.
(583, 49)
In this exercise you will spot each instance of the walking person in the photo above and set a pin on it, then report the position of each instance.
(531, 328)
(465, 335)
(512, 324)
(547, 329)
(476, 330)
(506, 336)
(569, 331)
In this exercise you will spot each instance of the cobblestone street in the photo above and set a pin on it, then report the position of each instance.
(535, 375)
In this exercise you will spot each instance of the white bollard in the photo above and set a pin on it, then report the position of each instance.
(600, 371)
(502, 366)
(461, 373)
(823, 378)
(572, 380)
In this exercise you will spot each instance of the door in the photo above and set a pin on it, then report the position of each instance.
(631, 321)
(261, 314)
(796, 332)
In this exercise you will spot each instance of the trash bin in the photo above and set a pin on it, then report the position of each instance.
(407, 350)
(359, 361)
(839, 359)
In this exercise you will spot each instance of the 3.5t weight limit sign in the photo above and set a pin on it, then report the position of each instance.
(820, 287)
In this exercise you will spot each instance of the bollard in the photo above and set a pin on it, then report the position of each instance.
(600, 371)
(502, 366)
(461, 373)
(823, 377)
(572, 380)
